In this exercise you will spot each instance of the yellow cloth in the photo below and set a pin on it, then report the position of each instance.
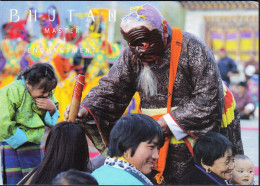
(152, 112)
(63, 93)
(120, 157)
(5, 80)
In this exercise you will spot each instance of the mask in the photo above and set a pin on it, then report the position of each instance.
(147, 45)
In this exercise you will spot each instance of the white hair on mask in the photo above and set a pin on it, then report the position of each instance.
(129, 22)
(147, 82)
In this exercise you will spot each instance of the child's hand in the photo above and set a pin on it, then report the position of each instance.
(46, 104)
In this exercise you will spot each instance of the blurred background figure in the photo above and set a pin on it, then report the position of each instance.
(227, 66)
(74, 177)
(253, 87)
(98, 54)
(251, 66)
(13, 50)
(244, 100)
(73, 37)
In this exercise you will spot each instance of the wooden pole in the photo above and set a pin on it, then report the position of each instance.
(76, 98)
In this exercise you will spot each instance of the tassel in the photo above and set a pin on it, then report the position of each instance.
(159, 178)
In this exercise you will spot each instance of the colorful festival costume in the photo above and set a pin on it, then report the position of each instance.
(197, 101)
(13, 51)
(13, 59)
(96, 52)
(21, 130)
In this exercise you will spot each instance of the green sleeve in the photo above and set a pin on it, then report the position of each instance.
(10, 101)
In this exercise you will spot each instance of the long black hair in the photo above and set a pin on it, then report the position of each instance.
(38, 72)
(66, 148)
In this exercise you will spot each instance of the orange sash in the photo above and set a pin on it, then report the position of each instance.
(175, 55)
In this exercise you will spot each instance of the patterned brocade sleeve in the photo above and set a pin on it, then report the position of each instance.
(108, 100)
(203, 110)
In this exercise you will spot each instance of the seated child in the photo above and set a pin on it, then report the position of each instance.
(243, 173)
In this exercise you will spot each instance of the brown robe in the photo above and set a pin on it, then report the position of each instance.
(197, 94)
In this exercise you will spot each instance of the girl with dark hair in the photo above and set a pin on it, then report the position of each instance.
(214, 161)
(133, 149)
(27, 107)
(66, 148)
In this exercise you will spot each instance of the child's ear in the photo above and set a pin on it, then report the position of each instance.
(27, 83)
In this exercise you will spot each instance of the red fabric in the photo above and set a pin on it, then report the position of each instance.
(93, 154)
(228, 100)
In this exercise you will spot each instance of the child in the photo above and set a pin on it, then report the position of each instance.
(27, 106)
(243, 173)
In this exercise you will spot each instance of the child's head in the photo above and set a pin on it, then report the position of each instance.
(76, 177)
(40, 79)
(243, 173)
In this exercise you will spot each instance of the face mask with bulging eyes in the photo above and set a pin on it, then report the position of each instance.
(146, 44)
